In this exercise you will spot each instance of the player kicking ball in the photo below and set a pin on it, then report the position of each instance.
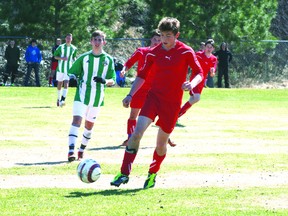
(170, 60)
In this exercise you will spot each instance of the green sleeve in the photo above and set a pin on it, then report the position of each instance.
(76, 68)
(57, 52)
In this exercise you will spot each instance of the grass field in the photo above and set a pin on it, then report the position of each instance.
(231, 157)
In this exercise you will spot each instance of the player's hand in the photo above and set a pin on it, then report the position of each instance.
(212, 72)
(186, 86)
(122, 73)
(99, 80)
(127, 100)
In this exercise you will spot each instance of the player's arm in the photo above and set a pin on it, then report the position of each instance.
(131, 61)
(135, 87)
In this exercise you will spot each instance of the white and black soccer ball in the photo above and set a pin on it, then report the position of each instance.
(89, 170)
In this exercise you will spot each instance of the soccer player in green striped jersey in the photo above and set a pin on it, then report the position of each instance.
(65, 54)
(94, 70)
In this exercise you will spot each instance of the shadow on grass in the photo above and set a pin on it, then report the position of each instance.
(113, 148)
(42, 163)
(40, 107)
(109, 192)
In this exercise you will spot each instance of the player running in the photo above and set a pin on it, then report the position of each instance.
(139, 98)
(170, 60)
(65, 54)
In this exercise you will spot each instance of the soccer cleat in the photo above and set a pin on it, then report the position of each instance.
(150, 181)
(119, 179)
(80, 155)
(62, 103)
(171, 143)
(125, 143)
(58, 103)
(71, 156)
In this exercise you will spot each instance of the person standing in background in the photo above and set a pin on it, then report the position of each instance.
(12, 55)
(224, 58)
(65, 54)
(33, 58)
(54, 62)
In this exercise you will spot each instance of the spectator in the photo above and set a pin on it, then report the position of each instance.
(12, 55)
(224, 58)
(33, 58)
(54, 63)
(65, 54)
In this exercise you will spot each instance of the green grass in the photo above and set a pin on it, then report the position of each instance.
(230, 131)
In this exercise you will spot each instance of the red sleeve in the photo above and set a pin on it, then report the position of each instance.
(195, 65)
(148, 62)
(133, 58)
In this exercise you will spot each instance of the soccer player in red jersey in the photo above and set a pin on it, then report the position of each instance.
(208, 63)
(139, 98)
(170, 60)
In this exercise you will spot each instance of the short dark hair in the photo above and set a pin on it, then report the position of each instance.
(98, 33)
(169, 24)
(33, 41)
(155, 32)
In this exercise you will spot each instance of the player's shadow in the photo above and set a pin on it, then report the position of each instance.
(42, 163)
(111, 192)
(39, 107)
(113, 148)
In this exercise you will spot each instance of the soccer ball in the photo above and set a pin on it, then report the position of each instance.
(89, 170)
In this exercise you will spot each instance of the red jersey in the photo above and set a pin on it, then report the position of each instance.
(206, 64)
(170, 69)
(139, 56)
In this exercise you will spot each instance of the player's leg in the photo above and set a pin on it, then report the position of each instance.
(78, 113)
(194, 98)
(59, 78)
(91, 116)
(131, 124)
(65, 90)
(158, 157)
(168, 115)
(131, 151)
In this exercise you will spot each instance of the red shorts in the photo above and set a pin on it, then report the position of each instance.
(139, 98)
(166, 111)
(198, 89)
(54, 65)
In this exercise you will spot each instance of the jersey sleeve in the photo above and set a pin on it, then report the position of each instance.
(77, 68)
(194, 65)
(149, 60)
(57, 52)
(133, 58)
(111, 71)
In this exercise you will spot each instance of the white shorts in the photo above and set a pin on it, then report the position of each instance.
(61, 77)
(89, 112)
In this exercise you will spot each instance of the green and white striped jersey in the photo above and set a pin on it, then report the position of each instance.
(65, 51)
(85, 68)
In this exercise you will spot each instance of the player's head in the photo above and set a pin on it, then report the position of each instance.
(58, 41)
(169, 24)
(33, 42)
(209, 45)
(98, 38)
(202, 45)
(155, 39)
(69, 38)
(169, 31)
